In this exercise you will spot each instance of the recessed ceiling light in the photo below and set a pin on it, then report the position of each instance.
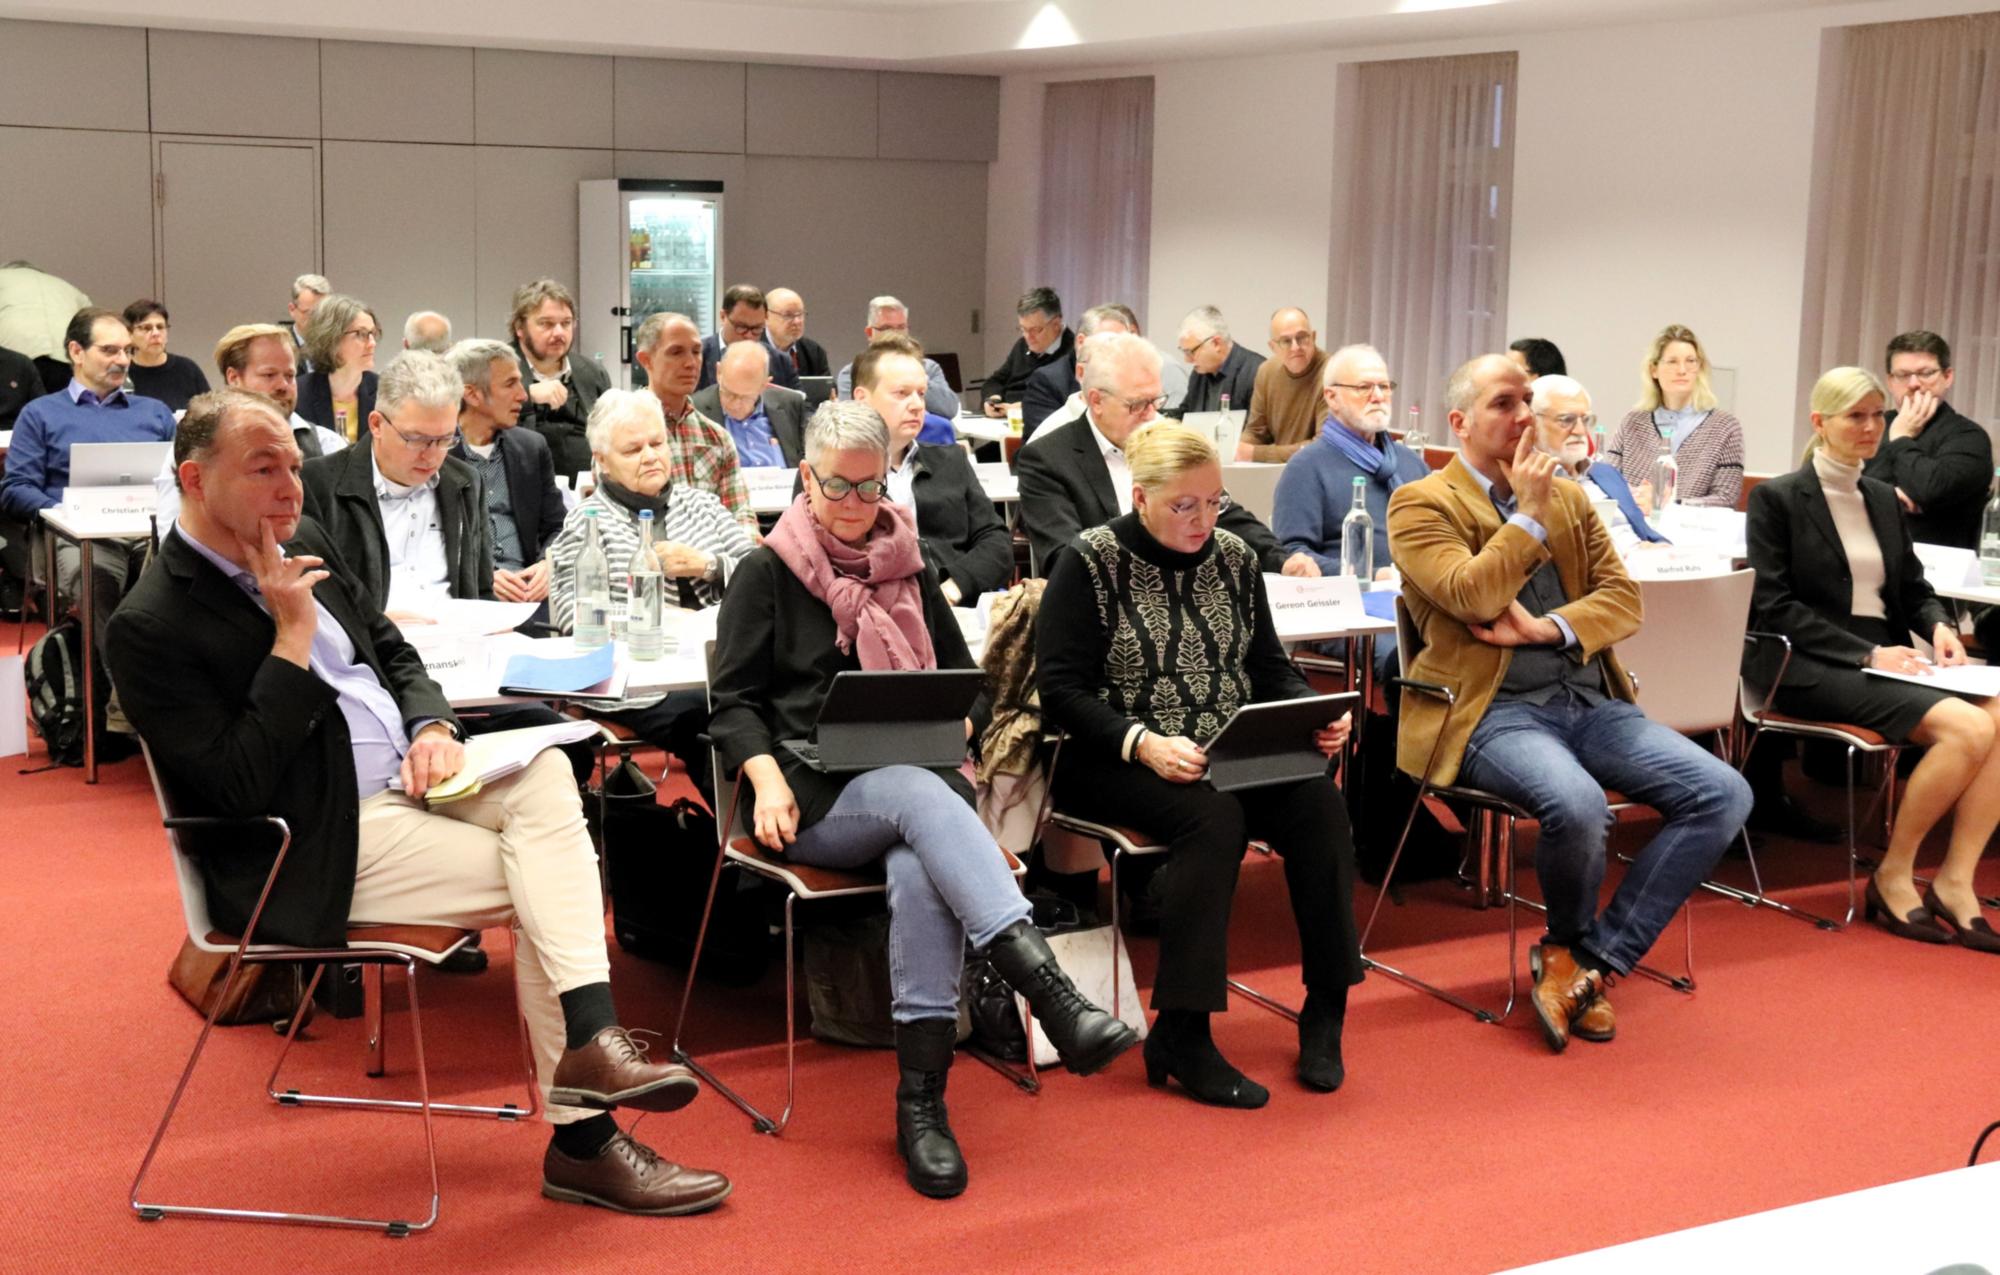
(1049, 29)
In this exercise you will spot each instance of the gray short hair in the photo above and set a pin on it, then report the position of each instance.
(415, 338)
(311, 283)
(474, 358)
(418, 378)
(328, 324)
(1556, 385)
(1461, 390)
(613, 408)
(1339, 357)
(1203, 321)
(1098, 315)
(1111, 353)
(876, 305)
(844, 425)
(655, 323)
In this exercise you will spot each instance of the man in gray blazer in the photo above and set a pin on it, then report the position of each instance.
(766, 421)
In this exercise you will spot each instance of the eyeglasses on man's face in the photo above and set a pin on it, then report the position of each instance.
(1367, 389)
(1189, 351)
(870, 490)
(1571, 422)
(1137, 406)
(421, 443)
(1295, 341)
(1917, 375)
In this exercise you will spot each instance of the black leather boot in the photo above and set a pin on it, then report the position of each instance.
(923, 1129)
(1320, 1021)
(1086, 1038)
(1180, 1046)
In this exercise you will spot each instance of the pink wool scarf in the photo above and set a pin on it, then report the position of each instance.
(874, 589)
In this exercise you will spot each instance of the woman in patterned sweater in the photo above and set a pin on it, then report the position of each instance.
(1677, 410)
(696, 540)
(1149, 638)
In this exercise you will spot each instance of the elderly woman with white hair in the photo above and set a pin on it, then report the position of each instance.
(841, 585)
(1838, 576)
(695, 538)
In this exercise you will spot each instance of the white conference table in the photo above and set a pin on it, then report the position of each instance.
(1923, 1224)
(84, 529)
(981, 428)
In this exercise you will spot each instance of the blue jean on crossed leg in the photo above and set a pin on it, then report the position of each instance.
(948, 882)
(1555, 761)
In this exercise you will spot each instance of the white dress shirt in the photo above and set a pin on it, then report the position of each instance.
(1114, 460)
(419, 573)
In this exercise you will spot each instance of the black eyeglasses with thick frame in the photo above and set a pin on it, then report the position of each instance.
(871, 490)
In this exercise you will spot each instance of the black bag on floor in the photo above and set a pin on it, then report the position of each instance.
(658, 860)
(54, 678)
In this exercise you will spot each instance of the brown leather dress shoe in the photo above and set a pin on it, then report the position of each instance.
(629, 1177)
(613, 1071)
(1596, 1022)
(1562, 992)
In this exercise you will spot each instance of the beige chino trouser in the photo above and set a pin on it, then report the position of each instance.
(517, 852)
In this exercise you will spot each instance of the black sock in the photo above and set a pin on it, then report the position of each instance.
(587, 1010)
(582, 1139)
(1589, 960)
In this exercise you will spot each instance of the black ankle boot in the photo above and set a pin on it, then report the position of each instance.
(1086, 1038)
(1320, 1020)
(923, 1129)
(1181, 1047)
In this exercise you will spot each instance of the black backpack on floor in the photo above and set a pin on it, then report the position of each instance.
(55, 691)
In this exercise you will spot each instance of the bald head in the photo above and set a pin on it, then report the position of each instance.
(785, 317)
(1293, 340)
(427, 330)
(1489, 410)
(741, 376)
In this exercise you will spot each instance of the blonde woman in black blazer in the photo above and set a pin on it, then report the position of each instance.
(1837, 574)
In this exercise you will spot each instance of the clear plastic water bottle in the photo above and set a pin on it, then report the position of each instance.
(645, 595)
(591, 583)
(1357, 537)
(1666, 473)
(1989, 537)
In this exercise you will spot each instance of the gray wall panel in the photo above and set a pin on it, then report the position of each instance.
(99, 235)
(526, 223)
(679, 106)
(396, 92)
(542, 99)
(400, 232)
(804, 110)
(42, 65)
(234, 85)
(939, 117)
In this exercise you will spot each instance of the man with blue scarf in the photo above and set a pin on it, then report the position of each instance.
(1317, 488)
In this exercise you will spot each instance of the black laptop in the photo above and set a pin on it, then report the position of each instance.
(1273, 743)
(902, 718)
(817, 389)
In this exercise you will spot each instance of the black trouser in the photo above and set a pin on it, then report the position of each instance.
(676, 724)
(1206, 833)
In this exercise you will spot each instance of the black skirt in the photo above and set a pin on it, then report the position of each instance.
(1889, 707)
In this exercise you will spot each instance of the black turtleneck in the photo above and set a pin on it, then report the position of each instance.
(1130, 630)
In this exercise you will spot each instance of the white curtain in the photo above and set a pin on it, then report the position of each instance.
(1097, 192)
(1420, 252)
(1910, 189)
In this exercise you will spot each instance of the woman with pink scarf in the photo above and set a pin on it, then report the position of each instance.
(841, 585)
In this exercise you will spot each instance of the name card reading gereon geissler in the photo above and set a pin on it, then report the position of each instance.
(1303, 605)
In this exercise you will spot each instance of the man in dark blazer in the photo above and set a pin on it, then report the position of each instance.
(561, 389)
(268, 684)
(743, 318)
(1940, 463)
(1222, 368)
(785, 330)
(759, 416)
(407, 518)
(961, 534)
(516, 473)
(1050, 385)
(1044, 339)
(1066, 475)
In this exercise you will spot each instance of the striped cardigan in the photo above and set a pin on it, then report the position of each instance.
(695, 518)
(1710, 458)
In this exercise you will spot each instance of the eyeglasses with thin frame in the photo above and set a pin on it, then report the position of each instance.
(1189, 506)
(1367, 388)
(1297, 341)
(1189, 351)
(1571, 421)
(871, 490)
(161, 326)
(1917, 376)
(421, 443)
(1137, 405)
(367, 336)
(789, 316)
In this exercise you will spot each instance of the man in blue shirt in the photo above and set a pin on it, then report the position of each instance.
(93, 408)
(766, 421)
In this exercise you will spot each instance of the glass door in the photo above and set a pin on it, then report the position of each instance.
(674, 247)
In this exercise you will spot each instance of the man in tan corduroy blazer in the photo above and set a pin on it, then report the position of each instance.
(1518, 599)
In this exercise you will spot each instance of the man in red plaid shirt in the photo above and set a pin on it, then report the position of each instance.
(668, 346)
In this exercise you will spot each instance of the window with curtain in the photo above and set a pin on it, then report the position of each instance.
(1097, 192)
(1909, 188)
(1420, 247)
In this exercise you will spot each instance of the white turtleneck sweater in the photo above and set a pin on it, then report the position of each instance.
(1842, 485)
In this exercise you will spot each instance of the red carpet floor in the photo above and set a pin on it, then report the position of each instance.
(1807, 1064)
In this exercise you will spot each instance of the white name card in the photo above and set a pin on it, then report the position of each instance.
(139, 498)
(770, 486)
(1647, 561)
(1947, 567)
(1314, 604)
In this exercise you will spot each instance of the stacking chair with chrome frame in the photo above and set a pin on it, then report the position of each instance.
(372, 946)
(1490, 855)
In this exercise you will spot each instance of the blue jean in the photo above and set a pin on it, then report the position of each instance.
(1555, 761)
(948, 882)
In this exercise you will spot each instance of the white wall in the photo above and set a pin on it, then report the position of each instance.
(1662, 174)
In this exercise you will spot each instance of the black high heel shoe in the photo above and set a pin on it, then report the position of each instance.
(1181, 1047)
(1919, 926)
(1975, 934)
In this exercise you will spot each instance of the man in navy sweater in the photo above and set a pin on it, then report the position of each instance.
(93, 408)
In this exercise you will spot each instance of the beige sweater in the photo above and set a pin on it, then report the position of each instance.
(1842, 485)
(1285, 410)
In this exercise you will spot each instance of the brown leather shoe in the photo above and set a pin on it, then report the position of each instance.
(629, 1177)
(1562, 993)
(1596, 1022)
(612, 1071)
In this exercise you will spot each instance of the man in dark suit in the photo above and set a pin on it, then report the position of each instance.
(1940, 463)
(959, 531)
(1222, 368)
(1074, 476)
(1050, 385)
(268, 684)
(785, 331)
(561, 390)
(524, 506)
(743, 318)
(19, 385)
(407, 518)
(1044, 340)
(766, 421)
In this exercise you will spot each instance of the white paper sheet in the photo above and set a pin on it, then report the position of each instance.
(1980, 680)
